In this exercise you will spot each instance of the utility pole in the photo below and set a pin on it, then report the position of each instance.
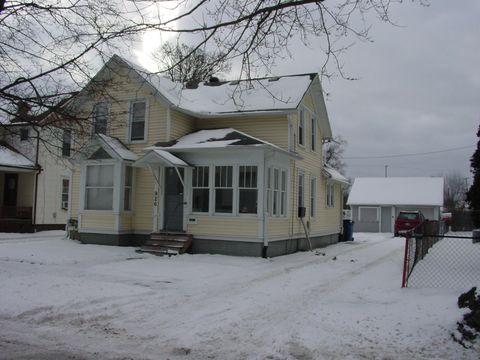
(386, 170)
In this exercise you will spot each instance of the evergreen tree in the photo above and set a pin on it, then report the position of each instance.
(473, 194)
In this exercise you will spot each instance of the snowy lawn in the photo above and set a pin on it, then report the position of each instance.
(63, 300)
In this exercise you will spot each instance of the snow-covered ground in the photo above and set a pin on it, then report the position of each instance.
(63, 300)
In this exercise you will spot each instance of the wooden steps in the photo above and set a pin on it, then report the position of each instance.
(167, 243)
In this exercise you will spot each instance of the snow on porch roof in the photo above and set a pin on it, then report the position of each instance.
(11, 158)
(158, 157)
(333, 174)
(118, 148)
(217, 139)
(397, 191)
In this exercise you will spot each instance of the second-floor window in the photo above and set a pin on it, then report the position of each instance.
(100, 118)
(66, 142)
(301, 127)
(138, 110)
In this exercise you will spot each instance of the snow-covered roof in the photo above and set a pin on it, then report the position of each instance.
(334, 175)
(397, 191)
(118, 148)
(160, 158)
(231, 97)
(11, 158)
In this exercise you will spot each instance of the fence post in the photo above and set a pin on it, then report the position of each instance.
(405, 264)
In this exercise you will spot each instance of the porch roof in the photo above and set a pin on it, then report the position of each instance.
(227, 138)
(334, 175)
(160, 157)
(10, 159)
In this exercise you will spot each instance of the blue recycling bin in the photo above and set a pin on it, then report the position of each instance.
(347, 230)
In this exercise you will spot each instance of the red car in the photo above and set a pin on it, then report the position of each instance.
(407, 220)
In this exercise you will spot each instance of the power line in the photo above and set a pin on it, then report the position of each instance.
(406, 155)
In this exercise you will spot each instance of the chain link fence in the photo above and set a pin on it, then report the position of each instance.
(434, 260)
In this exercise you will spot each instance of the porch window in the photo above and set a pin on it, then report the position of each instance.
(65, 191)
(313, 196)
(127, 190)
(99, 187)
(301, 127)
(100, 118)
(200, 189)
(138, 110)
(276, 191)
(283, 193)
(247, 190)
(66, 142)
(330, 194)
(223, 189)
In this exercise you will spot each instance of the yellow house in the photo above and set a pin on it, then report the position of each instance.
(230, 167)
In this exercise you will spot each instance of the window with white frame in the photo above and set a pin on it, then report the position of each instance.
(313, 144)
(200, 189)
(301, 190)
(100, 118)
(269, 191)
(66, 142)
(368, 214)
(127, 189)
(283, 193)
(276, 192)
(65, 192)
(330, 194)
(301, 127)
(223, 189)
(99, 187)
(138, 113)
(247, 189)
(313, 196)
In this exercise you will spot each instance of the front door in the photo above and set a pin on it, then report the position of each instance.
(173, 220)
(10, 190)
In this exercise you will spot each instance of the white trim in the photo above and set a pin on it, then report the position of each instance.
(230, 238)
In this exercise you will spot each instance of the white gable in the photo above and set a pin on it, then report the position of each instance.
(397, 191)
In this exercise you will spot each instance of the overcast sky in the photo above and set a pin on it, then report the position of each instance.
(418, 91)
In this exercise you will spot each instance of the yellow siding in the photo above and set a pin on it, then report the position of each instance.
(224, 226)
(125, 222)
(98, 221)
(143, 203)
(75, 194)
(273, 129)
(181, 125)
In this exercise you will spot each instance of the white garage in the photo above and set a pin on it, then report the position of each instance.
(376, 202)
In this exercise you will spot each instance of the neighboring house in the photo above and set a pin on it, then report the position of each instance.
(225, 162)
(376, 202)
(34, 176)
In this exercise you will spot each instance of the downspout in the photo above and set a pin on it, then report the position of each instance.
(265, 214)
(35, 190)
